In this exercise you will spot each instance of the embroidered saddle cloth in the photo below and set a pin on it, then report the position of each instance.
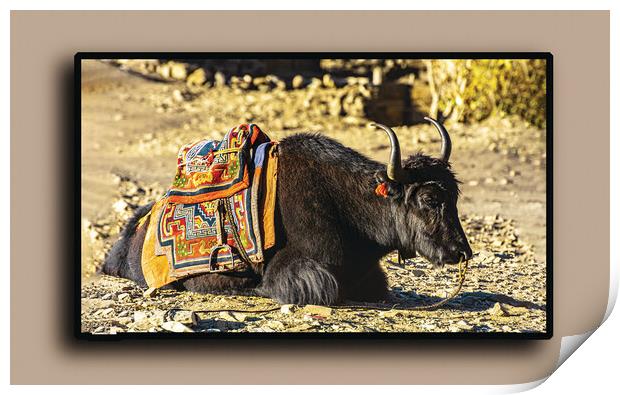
(218, 215)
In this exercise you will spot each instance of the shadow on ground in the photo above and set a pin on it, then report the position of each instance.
(465, 301)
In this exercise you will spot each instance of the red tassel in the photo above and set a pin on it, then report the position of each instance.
(382, 190)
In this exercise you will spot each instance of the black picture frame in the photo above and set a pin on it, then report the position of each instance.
(80, 56)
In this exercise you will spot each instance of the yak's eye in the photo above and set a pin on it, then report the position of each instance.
(434, 203)
(430, 201)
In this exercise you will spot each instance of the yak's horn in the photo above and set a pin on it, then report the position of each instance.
(446, 143)
(394, 166)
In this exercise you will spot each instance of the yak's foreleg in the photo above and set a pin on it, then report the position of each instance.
(296, 279)
(370, 285)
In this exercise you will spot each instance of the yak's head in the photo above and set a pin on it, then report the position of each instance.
(423, 193)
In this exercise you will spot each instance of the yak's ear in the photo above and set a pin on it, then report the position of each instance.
(385, 187)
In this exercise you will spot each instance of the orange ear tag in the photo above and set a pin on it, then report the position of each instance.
(382, 190)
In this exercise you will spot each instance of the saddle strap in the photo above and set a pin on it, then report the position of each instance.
(219, 223)
(229, 216)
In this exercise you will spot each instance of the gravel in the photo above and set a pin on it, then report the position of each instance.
(503, 291)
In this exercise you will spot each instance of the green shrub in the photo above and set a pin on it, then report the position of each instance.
(472, 90)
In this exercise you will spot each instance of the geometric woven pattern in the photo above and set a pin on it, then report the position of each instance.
(207, 170)
(216, 183)
(198, 235)
(190, 229)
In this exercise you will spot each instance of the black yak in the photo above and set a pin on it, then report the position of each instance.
(338, 213)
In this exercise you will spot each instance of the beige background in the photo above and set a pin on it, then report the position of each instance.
(42, 49)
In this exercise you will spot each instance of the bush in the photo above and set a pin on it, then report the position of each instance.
(472, 90)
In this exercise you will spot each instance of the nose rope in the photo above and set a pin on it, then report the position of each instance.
(462, 269)
(463, 265)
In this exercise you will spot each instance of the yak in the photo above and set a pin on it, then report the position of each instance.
(337, 214)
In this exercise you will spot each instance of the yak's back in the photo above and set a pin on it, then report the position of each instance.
(317, 148)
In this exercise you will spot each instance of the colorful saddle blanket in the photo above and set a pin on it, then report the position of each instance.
(218, 215)
(208, 170)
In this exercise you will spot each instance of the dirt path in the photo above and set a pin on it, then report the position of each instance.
(131, 131)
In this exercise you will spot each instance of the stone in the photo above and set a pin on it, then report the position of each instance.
(515, 310)
(297, 82)
(377, 76)
(124, 297)
(276, 82)
(312, 309)
(149, 293)
(174, 326)
(108, 296)
(428, 326)
(497, 310)
(314, 84)
(139, 316)
(225, 315)
(276, 325)
(288, 308)
(328, 81)
(183, 316)
(120, 206)
(198, 77)
(259, 81)
(220, 79)
(391, 314)
(178, 71)
(239, 316)
(105, 312)
(464, 325)
(116, 179)
(115, 329)
(164, 71)
(177, 95)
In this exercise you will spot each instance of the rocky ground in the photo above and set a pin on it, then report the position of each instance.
(132, 128)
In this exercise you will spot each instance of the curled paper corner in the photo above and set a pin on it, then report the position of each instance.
(613, 290)
(569, 344)
(516, 388)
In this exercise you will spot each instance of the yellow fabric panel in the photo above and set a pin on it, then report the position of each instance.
(271, 179)
(154, 267)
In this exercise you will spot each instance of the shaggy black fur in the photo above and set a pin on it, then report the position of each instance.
(333, 228)
(117, 262)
